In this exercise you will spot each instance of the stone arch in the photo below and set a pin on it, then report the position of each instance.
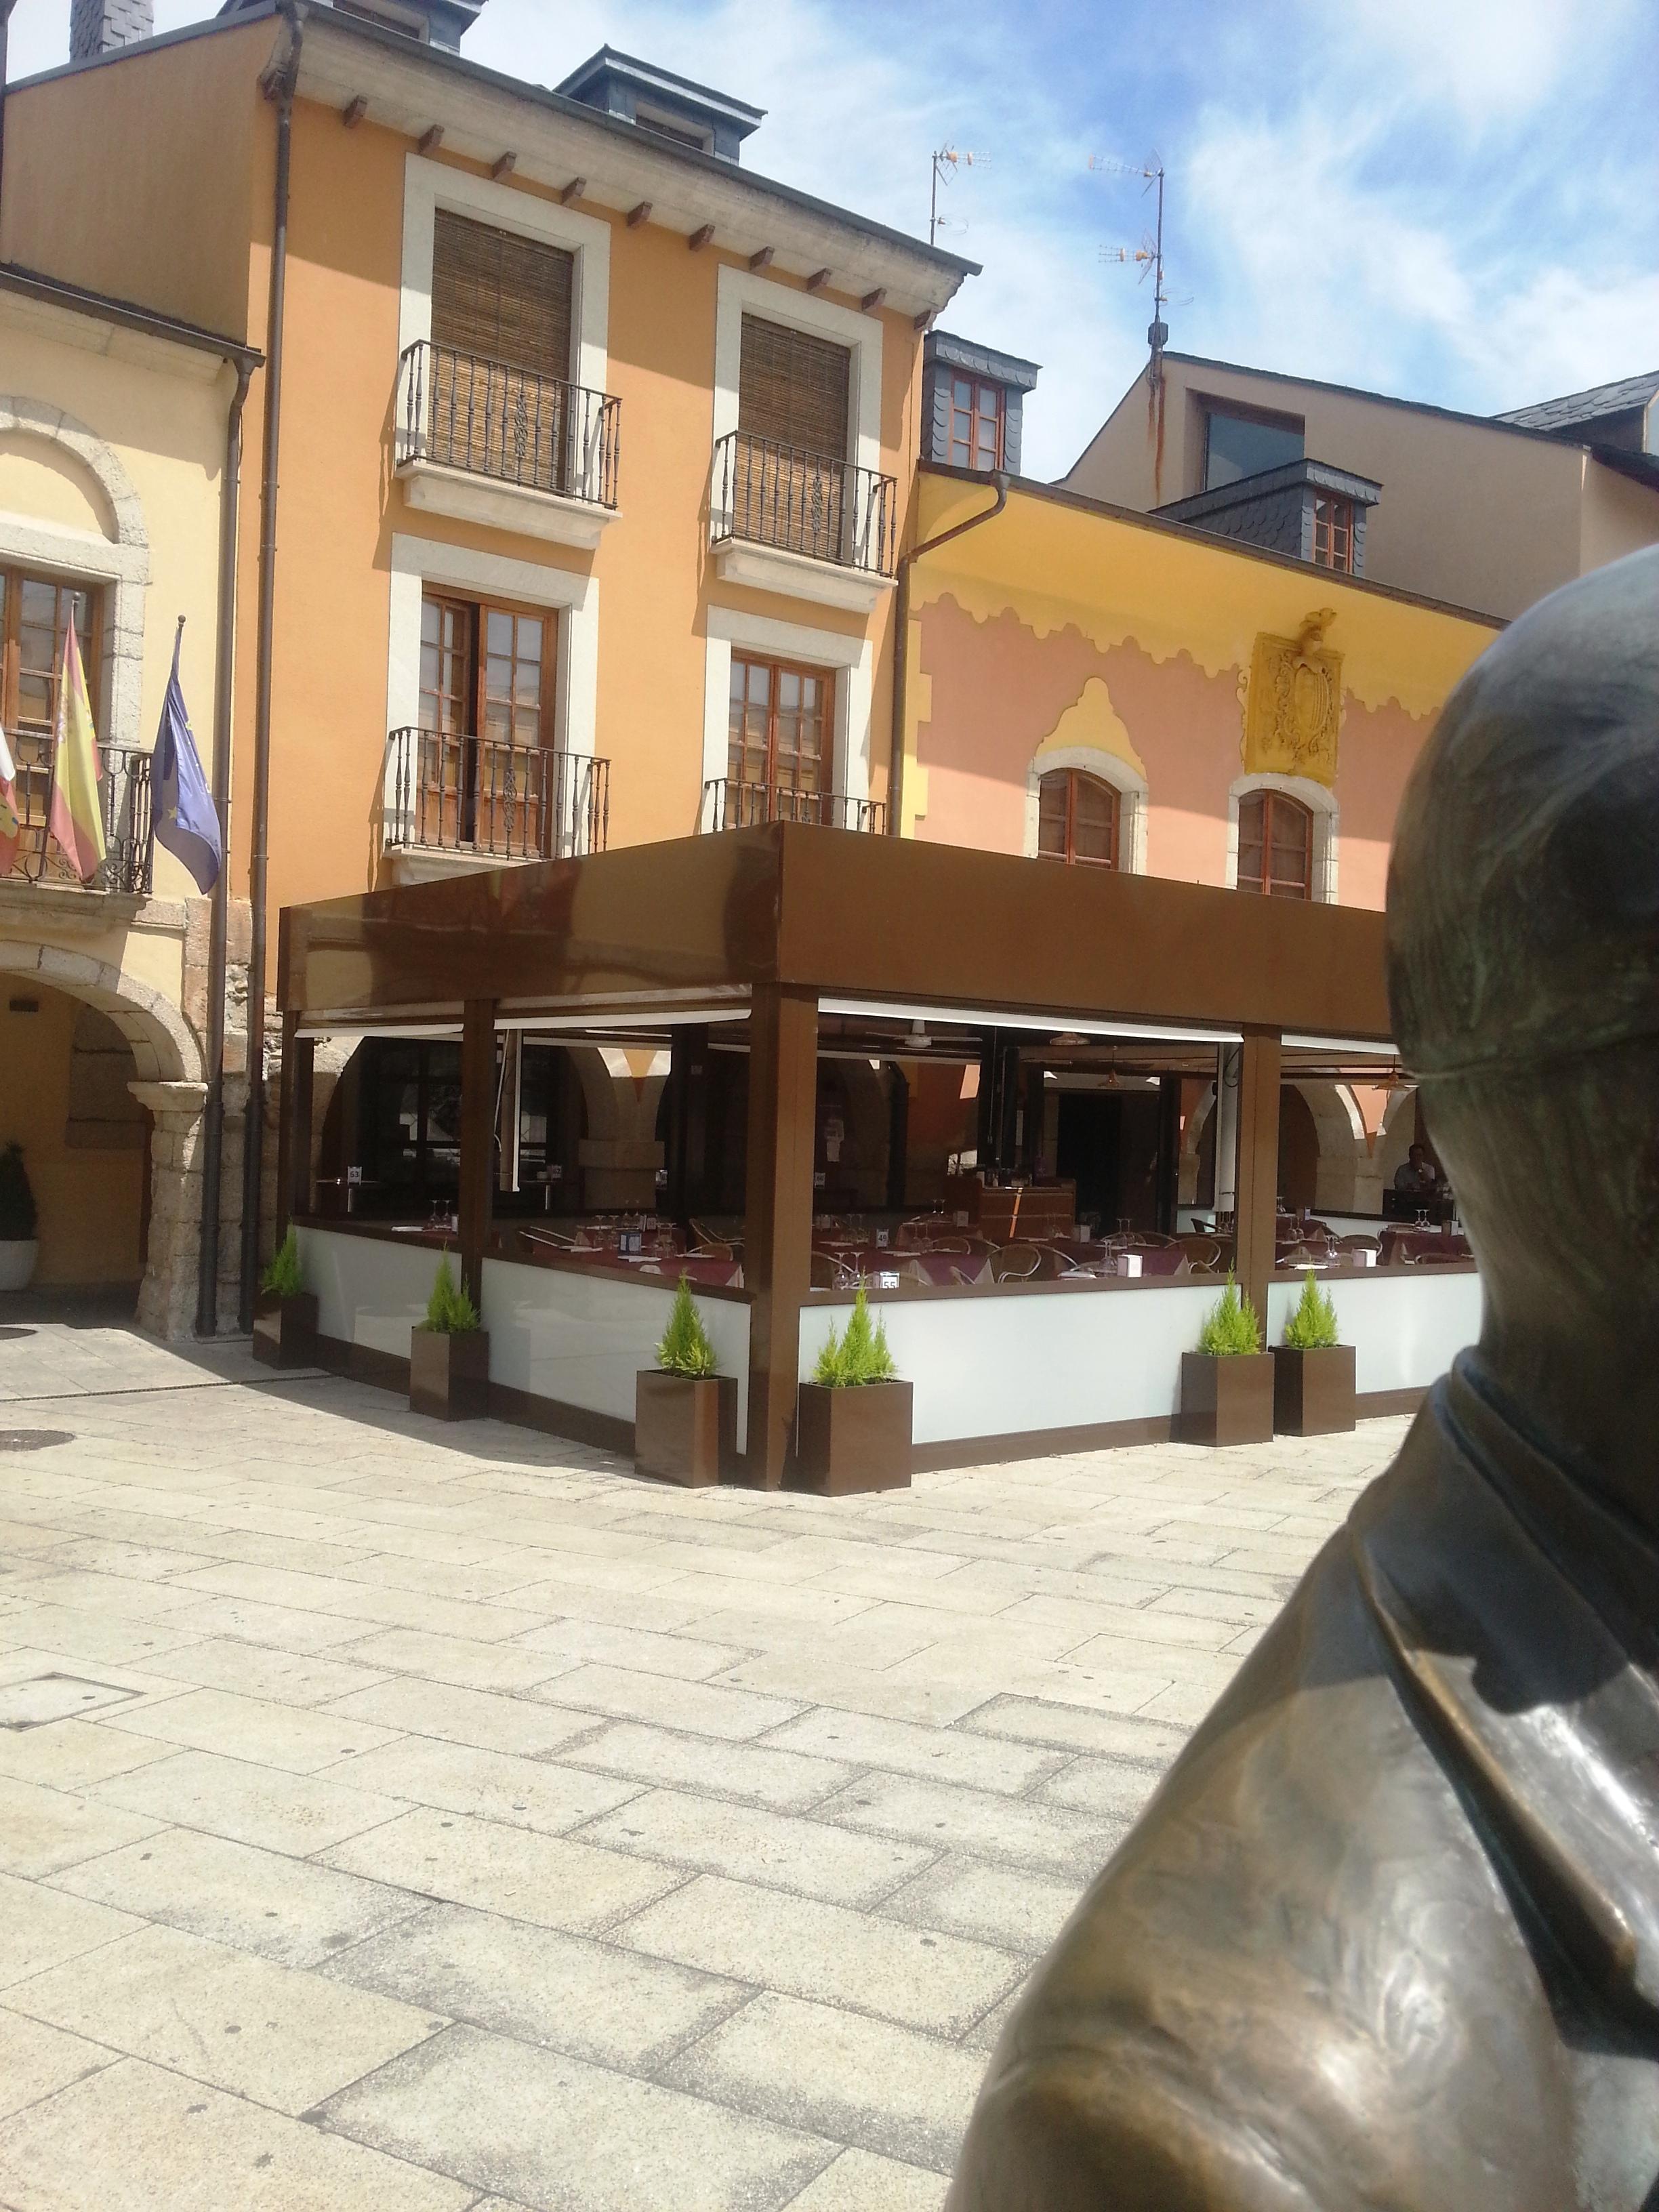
(121, 566)
(164, 1049)
(1346, 1173)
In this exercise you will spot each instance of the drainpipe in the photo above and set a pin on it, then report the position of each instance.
(6, 7)
(1000, 480)
(253, 1134)
(213, 1128)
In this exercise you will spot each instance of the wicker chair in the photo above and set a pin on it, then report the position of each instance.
(1017, 1263)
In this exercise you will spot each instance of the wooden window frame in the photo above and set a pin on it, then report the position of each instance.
(1333, 524)
(1267, 884)
(1071, 856)
(976, 385)
(782, 666)
(478, 610)
(13, 574)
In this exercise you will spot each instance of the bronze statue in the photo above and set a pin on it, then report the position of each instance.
(1387, 1936)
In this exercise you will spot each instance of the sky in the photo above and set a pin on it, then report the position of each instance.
(1451, 200)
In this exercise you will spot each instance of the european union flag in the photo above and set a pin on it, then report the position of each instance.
(186, 820)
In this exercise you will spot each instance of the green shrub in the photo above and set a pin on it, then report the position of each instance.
(1312, 1327)
(861, 1356)
(18, 1216)
(1232, 1328)
(284, 1277)
(449, 1311)
(685, 1348)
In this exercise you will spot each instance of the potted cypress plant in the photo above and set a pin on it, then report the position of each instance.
(285, 1316)
(853, 1420)
(685, 1411)
(449, 1354)
(1227, 1384)
(1313, 1373)
(20, 1246)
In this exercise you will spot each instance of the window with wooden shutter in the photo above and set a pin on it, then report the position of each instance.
(793, 388)
(501, 297)
(501, 354)
(1078, 817)
(1275, 845)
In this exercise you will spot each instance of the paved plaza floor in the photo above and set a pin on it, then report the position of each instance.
(396, 1818)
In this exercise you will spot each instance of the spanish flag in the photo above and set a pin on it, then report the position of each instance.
(76, 817)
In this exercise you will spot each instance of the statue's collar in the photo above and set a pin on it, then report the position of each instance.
(1518, 1610)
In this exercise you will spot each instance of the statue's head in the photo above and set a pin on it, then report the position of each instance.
(1524, 956)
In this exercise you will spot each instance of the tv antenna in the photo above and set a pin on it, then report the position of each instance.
(1148, 255)
(947, 159)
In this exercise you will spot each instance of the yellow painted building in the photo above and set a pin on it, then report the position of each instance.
(112, 442)
(1099, 687)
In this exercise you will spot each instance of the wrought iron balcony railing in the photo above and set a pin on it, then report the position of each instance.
(480, 795)
(729, 805)
(464, 411)
(123, 791)
(766, 493)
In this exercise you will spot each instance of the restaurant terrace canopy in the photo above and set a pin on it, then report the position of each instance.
(784, 942)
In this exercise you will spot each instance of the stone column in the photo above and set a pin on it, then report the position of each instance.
(167, 1298)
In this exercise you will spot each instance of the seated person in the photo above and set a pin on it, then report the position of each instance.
(1417, 1174)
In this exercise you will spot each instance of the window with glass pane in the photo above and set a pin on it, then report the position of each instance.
(34, 617)
(778, 736)
(973, 434)
(1275, 845)
(446, 640)
(1245, 444)
(1078, 817)
(1332, 532)
(513, 675)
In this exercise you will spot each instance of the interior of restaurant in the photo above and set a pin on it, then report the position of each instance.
(948, 1152)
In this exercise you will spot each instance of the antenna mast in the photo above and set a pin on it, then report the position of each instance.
(946, 160)
(1149, 254)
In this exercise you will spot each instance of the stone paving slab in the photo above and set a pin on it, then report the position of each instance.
(463, 1825)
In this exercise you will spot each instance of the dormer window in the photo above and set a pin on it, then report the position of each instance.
(973, 427)
(675, 109)
(973, 397)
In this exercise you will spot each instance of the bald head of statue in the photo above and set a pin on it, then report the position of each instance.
(1523, 970)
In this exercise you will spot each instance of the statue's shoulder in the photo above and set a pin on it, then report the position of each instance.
(1300, 1980)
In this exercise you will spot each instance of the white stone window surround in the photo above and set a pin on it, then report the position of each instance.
(417, 562)
(1105, 767)
(852, 659)
(429, 185)
(1320, 803)
(118, 567)
(572, 519)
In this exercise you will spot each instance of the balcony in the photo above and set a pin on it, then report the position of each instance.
(483, 802)
(802, 524)
(729, 805)
(483, 442)
(125, 792)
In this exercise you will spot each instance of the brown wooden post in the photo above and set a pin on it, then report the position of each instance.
(303, 1090)
(477, 1139)
(777, 1251)
(294, 1097)
(1257, 1202)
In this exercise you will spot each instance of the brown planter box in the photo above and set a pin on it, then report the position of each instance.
(1313, 1391)
(285, 1330)
(1225, 1401)
(449, 1376)
(685, 1426)
(852, 1440)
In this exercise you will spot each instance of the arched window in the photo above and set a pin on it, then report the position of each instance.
(1078, 817)
(1275, 845)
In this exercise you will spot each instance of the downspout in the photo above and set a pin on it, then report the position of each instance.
(213, 1127)
(6, 7)
(1000, 480)
(253, 1132)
